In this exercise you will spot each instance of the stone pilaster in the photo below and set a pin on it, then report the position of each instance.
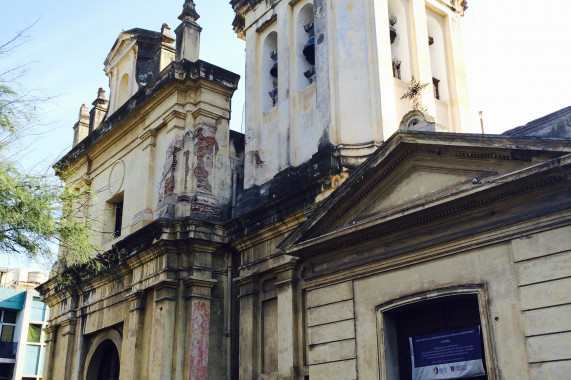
(421, 54)
(249, 328)
(131, 357)
(67, 331)
(385, 70)
(288, 367)
(198, 296)
(146, 180)
(162, 338)
(459, 102)
(50, 339)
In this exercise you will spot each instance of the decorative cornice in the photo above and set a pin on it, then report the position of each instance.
(425, 253)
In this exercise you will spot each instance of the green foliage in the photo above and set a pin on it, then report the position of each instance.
(31, 217)
(38, 212)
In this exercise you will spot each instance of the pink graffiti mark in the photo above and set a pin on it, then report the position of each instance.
(200, 328)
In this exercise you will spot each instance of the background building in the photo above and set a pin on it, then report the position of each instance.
(23, 318)
(351, 216)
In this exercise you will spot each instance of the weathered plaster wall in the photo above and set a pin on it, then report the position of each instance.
(355, 103)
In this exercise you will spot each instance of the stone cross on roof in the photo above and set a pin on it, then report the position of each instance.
(413, 94)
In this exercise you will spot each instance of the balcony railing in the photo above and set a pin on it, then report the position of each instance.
(8, 350)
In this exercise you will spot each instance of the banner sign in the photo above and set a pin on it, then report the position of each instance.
(452, 354)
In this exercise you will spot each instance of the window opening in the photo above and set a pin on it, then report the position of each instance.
(305, 46)
(9, 316)
(274, 73)
(34, 333)
(269, 71)
(435, 83)
(118, 218)
(309, 52)
(6, 371)
(392, 29)
(429, 317)
(7, 333)
(396, 68)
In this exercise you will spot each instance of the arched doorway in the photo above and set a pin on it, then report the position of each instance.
(103, 360)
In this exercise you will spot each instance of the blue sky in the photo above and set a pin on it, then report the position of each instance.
(517, 54)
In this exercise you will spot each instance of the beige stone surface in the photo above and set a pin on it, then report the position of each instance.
(547, 348)
(331, 332)
(546, 294)
(541, 244)
(548, 320)
(331, 312)
(542, 269)
(331, 294)
(332, 352)
(343, 370)
(550, 371)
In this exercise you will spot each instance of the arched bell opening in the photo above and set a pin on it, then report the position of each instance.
(399, 39)
(305, 46)
(270, 71)
(437, 48)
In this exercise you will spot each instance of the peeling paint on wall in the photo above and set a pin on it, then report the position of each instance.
(186, 169)
(204, 149)
(199, 339)
(255, 155)
(166, 186)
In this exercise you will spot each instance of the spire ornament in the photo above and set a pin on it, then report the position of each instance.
(189, 11)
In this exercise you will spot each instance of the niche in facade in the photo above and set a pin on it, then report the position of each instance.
(305, 47)
(123, 93)
(270, 71)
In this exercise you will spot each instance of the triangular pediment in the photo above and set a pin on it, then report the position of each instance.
(420, 183)
(122, 45)
(413, 172)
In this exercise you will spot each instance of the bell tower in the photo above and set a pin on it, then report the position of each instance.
(332, 74)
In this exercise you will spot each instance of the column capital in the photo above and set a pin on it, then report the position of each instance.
(68, 326)
(50, 332)
(198, 287)
(166, 291)
(249, 285)
(136, 300)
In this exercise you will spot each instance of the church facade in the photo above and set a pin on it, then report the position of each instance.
(351, 219)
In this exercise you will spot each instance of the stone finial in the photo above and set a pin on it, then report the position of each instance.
(83, 112)
(188, 34)
(99, 110)
(166, 30)
(189, 11)
(81, 128)
(100, 97)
